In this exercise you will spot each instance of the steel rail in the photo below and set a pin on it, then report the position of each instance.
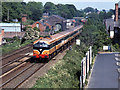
(17, 75)
(18, 84)
(13, 61)
(16, 52)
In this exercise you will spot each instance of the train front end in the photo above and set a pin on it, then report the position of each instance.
(41, 50)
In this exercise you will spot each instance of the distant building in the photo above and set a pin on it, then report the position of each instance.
(11, 27)
(53, 22)
(45, 15)
(15, 20)
(10, 30)
(79, 20)
(70, 23)
(109, 23)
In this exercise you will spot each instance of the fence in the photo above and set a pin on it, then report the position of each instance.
(85, 67)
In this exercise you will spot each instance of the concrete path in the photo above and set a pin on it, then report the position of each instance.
(104, 74)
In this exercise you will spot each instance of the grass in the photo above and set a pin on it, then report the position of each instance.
(65, 73)
(6, 49)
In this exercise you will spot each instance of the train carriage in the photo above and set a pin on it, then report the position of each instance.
(49, 47)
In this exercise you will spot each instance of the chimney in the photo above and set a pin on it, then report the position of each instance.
(24, 17)
(2, 32)
(116, 12)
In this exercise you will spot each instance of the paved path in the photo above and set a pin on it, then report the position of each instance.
(104, 74)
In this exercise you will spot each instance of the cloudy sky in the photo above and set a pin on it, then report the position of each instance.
(81, 4)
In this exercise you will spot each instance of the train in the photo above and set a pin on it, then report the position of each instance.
(47, 48)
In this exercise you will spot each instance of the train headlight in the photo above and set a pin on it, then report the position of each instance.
(40, 49)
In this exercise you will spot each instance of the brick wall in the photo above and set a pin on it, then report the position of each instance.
(1, 36)
(50, 27)
(24, 17)
(41, 27)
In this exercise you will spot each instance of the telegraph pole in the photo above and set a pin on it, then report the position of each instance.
(8, 16)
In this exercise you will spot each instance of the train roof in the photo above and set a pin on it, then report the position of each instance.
(57, 36)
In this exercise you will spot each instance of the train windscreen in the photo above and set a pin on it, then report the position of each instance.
(40, 45)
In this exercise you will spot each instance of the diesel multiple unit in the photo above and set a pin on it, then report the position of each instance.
(50, 46)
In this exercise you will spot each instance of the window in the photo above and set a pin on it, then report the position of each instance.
(40, 44)
(52, 45)
(37, 25)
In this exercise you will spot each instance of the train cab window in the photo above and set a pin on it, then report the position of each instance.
(40, 44)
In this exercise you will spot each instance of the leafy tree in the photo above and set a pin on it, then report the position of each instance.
(79, 13)
(50, 8)
(36, 10)
(14, 9)
(32, 9)
(89, 9)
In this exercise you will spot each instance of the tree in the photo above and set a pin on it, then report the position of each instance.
(89, 9)
(36, 10)
(14, 9)
(50, 8)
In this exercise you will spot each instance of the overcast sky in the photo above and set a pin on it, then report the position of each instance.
(81, 4)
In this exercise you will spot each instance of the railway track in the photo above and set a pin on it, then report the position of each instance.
(16, 51)
(20, 75)
(9, 66)
(18, 54)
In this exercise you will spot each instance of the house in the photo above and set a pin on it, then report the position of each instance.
(53, 23)
(10, 30)
(113, 25)
(40, 25)
(109, 23)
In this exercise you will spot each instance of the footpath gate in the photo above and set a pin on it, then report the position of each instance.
(85, 67)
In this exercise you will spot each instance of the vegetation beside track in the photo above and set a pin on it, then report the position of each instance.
(14, 46)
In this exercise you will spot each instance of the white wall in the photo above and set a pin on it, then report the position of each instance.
(11, 27)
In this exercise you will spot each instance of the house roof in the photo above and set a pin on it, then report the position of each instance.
(45, 14)
(109, 24)
(52, 20)
(79, 18)
(10, 24)
(39, 22)
(12, 34)
(57, 16)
